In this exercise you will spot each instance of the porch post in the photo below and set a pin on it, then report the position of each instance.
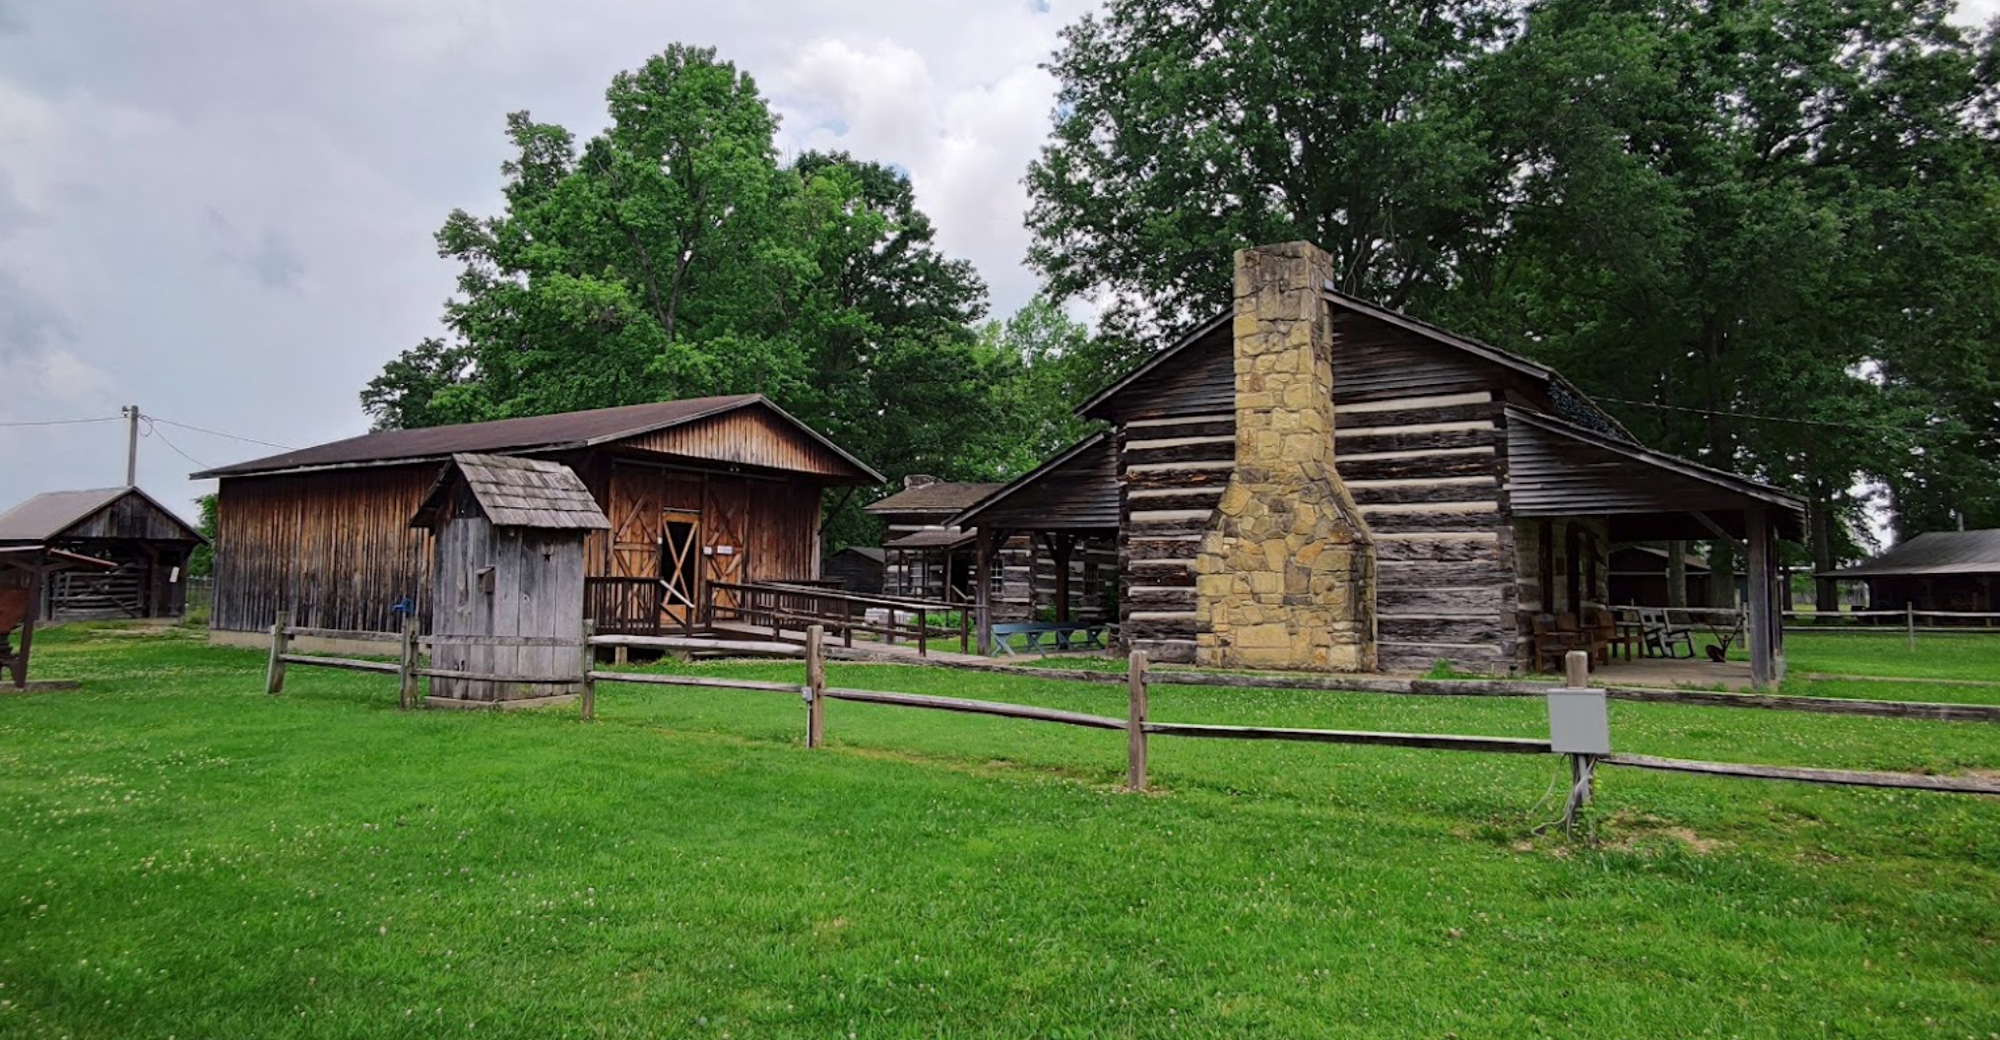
(982, 591)
(1763, 667)
(1061, 545)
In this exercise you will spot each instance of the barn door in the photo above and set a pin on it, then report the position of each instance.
(727, 549)
(680, 565)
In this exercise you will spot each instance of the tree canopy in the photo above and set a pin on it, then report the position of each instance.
(1763, 232)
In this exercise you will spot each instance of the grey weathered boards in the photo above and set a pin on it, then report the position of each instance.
(507, 602)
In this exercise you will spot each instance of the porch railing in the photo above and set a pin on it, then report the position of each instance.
(628, 607)
(778, 606)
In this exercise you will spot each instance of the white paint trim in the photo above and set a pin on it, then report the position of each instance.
(1173, 492)
(1442, 427)
(1178, 442)
(1147, 516)
(1415, 453)
(1402, 404)
(1147, 423)
(1180, 467)
(1388, 508)
(1400, 482)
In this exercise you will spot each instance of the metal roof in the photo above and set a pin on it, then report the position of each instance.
(1934, 552)
(564, 430)
(941, 496)
(48, 515)
(515, 492)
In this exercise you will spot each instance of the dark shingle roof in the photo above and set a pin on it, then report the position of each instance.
(943, 538)
(940, 497)
(1935, 552)
(518, 493)
(532, 433)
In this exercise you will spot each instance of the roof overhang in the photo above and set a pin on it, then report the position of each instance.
(945, 539)
(1650, 499)
(998, 498)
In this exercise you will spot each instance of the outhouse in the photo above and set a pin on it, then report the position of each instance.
(507, 593)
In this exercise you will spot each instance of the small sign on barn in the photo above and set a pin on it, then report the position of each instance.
(507, 600)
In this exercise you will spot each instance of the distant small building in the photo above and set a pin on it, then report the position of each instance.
(1937, 570)
(1639, 577)
(926, 556)
(147, 544)
(858, 568)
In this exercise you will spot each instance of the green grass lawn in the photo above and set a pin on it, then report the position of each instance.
(181, 856)
(1973, 655)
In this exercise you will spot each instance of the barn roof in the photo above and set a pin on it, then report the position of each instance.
(871, 553)
(941, 496)
(51, 514)
(562, 431)
(516, 492)
(1934, 552)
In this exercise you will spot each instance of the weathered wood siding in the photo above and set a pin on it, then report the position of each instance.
(130, 517)
(1563, 567)
(536, 596)
(745, 437)
(335, 548)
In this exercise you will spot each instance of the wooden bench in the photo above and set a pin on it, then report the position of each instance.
(1063, 634)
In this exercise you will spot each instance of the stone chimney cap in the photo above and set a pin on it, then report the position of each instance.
(917, 480)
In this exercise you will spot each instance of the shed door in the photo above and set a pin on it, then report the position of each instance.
(680, 564)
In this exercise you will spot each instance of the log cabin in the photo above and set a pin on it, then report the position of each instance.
(702, 496)
(1310, 481)
(1045, 572)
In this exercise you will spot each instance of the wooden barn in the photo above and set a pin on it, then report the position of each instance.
(146, 544)
(857, 569)
(1957, 571)
(702, 496)
(1310, 481)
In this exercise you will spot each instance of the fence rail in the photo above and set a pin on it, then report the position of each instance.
(777, 605)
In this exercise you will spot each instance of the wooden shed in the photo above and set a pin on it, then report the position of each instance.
(857, 568)
(507, 599)
(1955, 571)
(1312, 481)
(702, 495)
(145, 543)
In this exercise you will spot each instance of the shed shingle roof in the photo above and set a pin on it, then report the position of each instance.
(941, 497)
(516, 492)
(1934, 552)
(531, 433)
(51, 513)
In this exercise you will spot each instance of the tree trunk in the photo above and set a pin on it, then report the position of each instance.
(1819, 516)
(1721, 574)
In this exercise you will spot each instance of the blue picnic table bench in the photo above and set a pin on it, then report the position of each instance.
(1063, 636)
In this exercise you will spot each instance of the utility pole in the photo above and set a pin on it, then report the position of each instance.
(131, 413)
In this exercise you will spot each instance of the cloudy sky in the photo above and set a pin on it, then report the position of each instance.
(222, 211)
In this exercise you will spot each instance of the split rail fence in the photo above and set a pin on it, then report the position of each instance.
(1579, 726)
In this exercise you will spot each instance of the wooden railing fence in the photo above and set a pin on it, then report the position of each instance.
(781, 605)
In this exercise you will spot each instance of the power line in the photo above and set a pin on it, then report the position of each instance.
(219, 433)
(1656, 406)
(153, 430)
(64, 422)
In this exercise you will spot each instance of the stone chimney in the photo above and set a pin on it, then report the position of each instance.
(1285, 575)
(917, 480)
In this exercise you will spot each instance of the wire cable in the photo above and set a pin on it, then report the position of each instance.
(64, 422)
(153, 430)
(1754, 417)
(219, 433)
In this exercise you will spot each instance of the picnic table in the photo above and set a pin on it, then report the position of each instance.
(1062, 636)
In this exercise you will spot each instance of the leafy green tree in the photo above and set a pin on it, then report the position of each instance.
(201, 562)
(1187, 129)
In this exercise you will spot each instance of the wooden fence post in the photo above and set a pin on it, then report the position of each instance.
(589, 698)
(281, 641)
(815, 688)
(406, 671)
(1910, 622)
(1135, 722)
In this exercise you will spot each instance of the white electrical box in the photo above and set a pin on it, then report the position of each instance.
(1579, 722)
